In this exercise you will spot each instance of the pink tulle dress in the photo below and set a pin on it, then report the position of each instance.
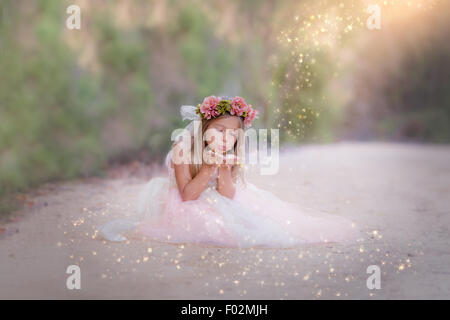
(253, 218)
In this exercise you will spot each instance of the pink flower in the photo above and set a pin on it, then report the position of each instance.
(252, 113)
(209, 107)
(238, 106)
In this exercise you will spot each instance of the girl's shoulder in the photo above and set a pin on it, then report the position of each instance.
(177, 147)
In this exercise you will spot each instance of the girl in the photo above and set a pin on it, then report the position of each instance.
(209, 201)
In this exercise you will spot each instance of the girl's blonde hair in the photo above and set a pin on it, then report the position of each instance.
(237, 171)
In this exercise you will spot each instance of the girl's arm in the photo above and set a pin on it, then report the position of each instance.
(191, 188)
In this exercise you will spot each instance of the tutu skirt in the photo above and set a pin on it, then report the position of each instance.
(253, 218)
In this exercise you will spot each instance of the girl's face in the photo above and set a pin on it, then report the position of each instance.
(222, 133)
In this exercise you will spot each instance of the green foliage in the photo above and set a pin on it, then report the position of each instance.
(223, 106)
(208, 61)
(53, 112)
(418, 98)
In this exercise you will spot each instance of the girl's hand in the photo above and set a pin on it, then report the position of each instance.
(210, 160)
(230, 160)
(213, 158)
(218, 159)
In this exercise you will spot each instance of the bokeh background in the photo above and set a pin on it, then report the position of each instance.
(73, 102)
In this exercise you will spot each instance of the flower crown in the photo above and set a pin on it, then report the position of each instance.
(213, 107)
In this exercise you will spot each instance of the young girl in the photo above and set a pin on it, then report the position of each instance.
(209, 202)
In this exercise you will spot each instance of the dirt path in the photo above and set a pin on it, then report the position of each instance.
(397, 193)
